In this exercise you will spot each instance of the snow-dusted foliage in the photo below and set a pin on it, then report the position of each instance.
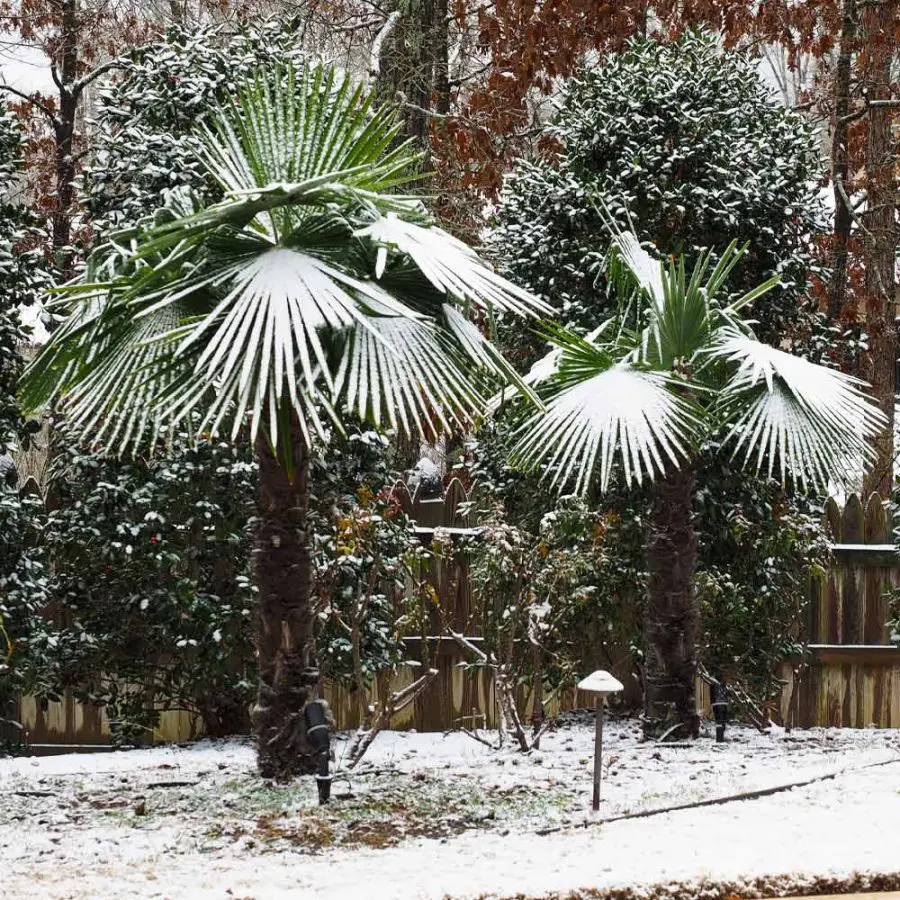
(684, 139)
(22, 577)
(147, 115)
(21, 276)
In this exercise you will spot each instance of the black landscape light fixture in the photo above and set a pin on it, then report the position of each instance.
(317, 728)
(720, 709)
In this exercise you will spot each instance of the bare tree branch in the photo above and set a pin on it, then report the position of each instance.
(372, 725)
(32, 98)
(378, 43)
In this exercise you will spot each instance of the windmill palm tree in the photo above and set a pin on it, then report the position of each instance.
(311, 292)
(646, 389)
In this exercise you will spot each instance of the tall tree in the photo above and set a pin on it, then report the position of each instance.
(79, 39)
(311, 291)
(881, 33)
(840, 162)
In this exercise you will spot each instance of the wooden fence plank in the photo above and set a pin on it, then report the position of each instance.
(853, 526)
(833, 520)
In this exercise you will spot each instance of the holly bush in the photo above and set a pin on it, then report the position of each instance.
(146, 116)
(683, 142)
(23, 580)
(366, 562)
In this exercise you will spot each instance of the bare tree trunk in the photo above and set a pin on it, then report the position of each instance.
(880, 238)
(672, 619)
(413, 66)
(840, 164)
(288, 673)
(440, 56)
(64, 133)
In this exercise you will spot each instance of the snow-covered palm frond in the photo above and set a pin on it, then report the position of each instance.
(266, 334)
(451, 266)
(483, 354)
(808, 421)
(292, 124)
(620, 412)
(114, 402)
(403, 372)
(646, 270)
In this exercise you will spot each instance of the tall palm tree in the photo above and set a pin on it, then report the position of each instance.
(313, 290)
(677, 366)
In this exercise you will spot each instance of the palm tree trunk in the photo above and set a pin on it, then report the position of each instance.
(288, 674)
(672, 616)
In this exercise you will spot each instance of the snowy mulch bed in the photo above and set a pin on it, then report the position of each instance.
(433, 816)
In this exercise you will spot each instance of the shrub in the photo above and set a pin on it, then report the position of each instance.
(151, 588)
(684, 140)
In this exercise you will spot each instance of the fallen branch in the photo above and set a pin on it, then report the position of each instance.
(481, 740)
(720, 801)
(372, 725)
(510, 720)
(171, 784)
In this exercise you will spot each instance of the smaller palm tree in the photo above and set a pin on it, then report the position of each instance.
(645, 389)
(312, 292)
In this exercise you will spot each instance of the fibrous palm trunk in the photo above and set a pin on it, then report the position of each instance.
(672, 616)
(288, 674)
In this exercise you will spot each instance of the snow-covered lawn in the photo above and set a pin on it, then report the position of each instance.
(437, 816)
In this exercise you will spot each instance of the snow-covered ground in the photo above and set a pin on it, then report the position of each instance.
(443, 816)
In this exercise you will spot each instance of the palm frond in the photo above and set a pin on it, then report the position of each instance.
(483, 354)
(290, 124)
(622, 412)
(808, 421)
(604, 407)
(451, 266)
(402, 372)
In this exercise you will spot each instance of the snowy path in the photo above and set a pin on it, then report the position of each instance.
(829, 829)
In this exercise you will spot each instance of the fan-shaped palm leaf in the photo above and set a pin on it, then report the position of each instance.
(809, 421)
(602, 408)
(451, 266)
(621, 411)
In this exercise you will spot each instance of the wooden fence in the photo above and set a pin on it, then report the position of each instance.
(849, 677)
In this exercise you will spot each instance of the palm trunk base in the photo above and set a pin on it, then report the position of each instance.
(672, 621)
(279, 725)
(670, 708)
